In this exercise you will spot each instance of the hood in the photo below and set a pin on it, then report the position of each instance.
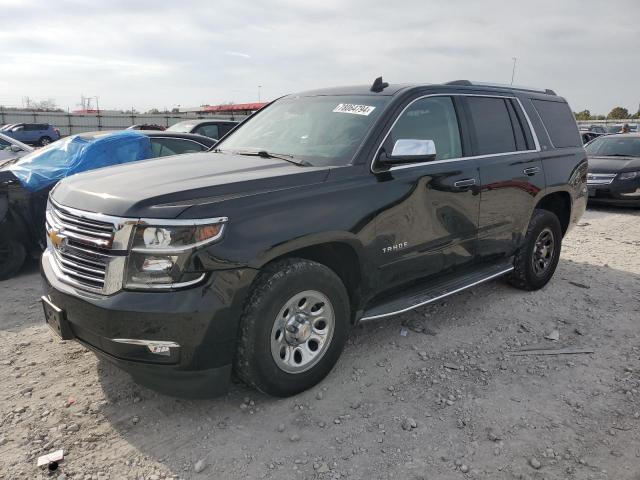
(613, 164)
(165, 187)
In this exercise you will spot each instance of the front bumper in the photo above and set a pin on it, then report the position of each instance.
(618, 192)
(195, 328)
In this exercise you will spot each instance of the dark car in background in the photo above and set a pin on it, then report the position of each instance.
(587, 136)
(33, 133)
(597, 129)
(614, 169)
(147, 126)
(25, 183)
(215, 129)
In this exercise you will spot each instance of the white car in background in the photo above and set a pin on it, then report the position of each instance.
(11, 148)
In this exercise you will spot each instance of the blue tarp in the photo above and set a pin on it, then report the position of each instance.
(75, 154)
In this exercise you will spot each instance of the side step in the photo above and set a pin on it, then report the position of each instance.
(424, 294)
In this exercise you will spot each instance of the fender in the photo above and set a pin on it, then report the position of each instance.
(310, 241)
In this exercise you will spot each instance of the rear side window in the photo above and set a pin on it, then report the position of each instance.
(559, 122)
(493, 129)
(210, 131)
(163, 147)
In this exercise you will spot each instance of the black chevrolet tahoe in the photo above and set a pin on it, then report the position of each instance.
(323, 209)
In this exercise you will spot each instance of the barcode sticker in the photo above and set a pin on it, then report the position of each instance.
(354, 109)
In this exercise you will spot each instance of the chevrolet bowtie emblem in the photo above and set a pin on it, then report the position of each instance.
(56, 238)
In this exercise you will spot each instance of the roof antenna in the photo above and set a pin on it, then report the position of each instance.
(378, 85)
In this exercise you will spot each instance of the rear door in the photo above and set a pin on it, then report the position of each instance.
(511, 175)
(18, 132)
(429, 225)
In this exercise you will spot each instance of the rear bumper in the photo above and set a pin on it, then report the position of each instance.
(181, 343)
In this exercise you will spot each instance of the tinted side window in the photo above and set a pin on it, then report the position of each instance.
(163, 147)
(224, 129)
(494, 133)
(559, 122)
(518, 131)
(432, 118)
(210, 131)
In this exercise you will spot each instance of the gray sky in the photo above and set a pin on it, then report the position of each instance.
(149, 53)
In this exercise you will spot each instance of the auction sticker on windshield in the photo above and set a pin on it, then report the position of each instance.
(354, 109)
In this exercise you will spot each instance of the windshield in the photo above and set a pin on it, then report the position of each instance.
(182, 127)
(621, 146)
(323, 130)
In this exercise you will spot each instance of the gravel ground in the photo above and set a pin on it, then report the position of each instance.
(436, 393)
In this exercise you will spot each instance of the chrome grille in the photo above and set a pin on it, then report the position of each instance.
(80, 230)
(85, 249)
(600, 178)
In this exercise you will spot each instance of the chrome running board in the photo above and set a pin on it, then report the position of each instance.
(423, 295)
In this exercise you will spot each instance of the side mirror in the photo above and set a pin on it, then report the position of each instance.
(410, 151)
(15, 148)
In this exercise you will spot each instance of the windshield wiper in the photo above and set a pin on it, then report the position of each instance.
(281, 156)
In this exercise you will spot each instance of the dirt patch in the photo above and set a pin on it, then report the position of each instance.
(434, 393)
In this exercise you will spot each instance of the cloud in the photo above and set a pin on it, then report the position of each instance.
(156, 54)
(238, 54)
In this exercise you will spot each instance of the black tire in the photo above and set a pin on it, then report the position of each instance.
(275, 286)
(531, 271)
(44, 141)
(12, 256)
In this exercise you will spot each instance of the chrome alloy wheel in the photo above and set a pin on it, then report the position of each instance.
(543, 251)
(302, 331)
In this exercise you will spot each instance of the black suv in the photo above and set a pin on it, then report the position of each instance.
(324, 209)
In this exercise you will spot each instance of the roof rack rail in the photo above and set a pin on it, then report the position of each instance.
(468, 83)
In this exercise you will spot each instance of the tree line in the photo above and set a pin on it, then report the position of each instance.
(617, 113)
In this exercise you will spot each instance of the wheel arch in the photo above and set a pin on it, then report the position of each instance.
(558, 203)
(343, 256)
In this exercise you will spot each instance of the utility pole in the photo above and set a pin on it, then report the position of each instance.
(259, 87)
(513, 70)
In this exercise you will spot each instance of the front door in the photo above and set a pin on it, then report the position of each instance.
(429, 223)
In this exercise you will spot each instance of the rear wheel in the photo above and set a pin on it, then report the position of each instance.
(536, 261)
(44, 141)
(294, 327)
(12, 256)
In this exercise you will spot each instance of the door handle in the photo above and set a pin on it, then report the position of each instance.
(531, 171)
(468, 182)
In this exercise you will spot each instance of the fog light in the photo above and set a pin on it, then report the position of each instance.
(157, 347)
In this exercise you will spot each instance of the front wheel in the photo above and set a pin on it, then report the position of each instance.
(44, 141)
(293, 328)
(537, 259)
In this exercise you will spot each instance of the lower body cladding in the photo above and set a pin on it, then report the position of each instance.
(180, 343)
(618, 193)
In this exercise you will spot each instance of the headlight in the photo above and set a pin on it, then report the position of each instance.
(160, 254)
(628, 175)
